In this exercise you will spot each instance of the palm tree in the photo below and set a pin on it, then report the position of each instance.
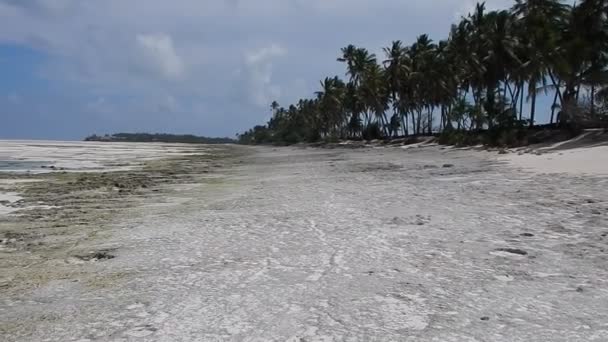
(448, 71)
(591, 20)
(331, 97)
(273, 107)
(353, 107)
(496, 57)
(540, 22)
(422, 54)
(501, 56)
(375, 96)
(464, 63)
(397, 68)
(348, 56)
(475, 25)
(357, 61)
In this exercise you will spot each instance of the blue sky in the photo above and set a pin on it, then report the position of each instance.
(69, 68)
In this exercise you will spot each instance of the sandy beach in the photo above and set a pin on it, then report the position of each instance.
(152, 242)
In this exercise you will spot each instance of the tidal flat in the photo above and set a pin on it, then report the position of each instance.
(234, 243)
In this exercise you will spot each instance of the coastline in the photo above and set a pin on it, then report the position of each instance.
(307, 243)
(59, 212)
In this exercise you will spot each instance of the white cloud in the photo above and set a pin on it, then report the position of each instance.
(161, 55)
(42, 6)
(264, 54)
(127, 52)
(259, 66)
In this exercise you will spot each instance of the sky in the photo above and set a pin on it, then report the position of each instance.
(70, 68)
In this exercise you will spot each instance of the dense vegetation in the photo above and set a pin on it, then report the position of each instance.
(159, 137)
(474, 81)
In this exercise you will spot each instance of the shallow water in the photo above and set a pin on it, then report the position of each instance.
(21, 165)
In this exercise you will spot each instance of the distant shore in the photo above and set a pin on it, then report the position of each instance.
(158, 137)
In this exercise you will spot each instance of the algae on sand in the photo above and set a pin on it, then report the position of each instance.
(62, 212)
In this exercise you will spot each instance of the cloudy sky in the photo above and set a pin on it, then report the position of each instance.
(69, 68)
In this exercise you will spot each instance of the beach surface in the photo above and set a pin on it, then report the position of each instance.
(231, 243)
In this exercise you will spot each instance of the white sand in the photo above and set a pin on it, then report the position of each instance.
(89, 156)
(80, 157)
(18, 181)
(586, 154)
(586, 160)
(10, 197)
(338, 245)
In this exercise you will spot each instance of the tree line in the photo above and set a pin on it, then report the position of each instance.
(476, 80)
(159, 137)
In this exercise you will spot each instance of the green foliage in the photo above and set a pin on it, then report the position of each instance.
(372, 132)
(470, 86)
(459, 138)
(256, 135)
(331, 139)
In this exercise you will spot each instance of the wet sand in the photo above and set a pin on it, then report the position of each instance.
(294, 244)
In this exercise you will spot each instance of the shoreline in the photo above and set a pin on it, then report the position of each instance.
(58, 217)
(585, 153)
(309, 243)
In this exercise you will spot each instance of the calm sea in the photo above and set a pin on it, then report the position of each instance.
(20, 165)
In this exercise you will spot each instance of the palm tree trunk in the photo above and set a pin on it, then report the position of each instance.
(521, 101)
(419, 123)
(557, 85)
(442, 120)
(553, 106)
(533, 108)
(508, 86)
(515, 102)
(414, 126)
(386, 122)
(448, 117)
(491, 105)
(592, 99)
(567, 104)
(479, 109)
(430, 119)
